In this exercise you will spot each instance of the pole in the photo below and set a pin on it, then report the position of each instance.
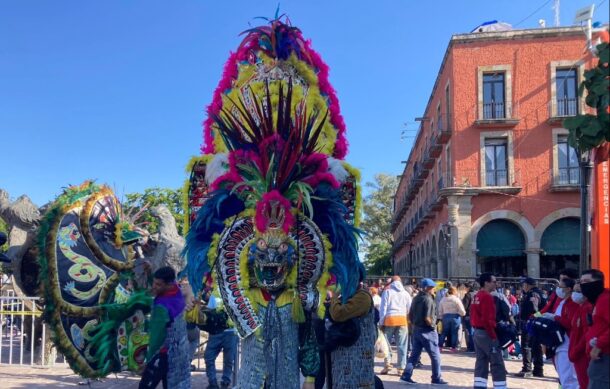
(585, 172)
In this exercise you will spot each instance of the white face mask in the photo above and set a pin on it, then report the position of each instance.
(578, 297)
(560, 293)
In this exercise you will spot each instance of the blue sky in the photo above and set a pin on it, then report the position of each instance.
(116, 90)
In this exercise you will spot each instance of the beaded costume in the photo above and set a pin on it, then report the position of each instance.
(272, 206)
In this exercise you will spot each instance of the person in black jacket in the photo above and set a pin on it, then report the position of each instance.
(471, 290)
(531, 303)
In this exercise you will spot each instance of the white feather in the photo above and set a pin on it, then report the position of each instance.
(335, 167)
(217, 167)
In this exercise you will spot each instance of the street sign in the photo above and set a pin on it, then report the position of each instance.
(584, 14)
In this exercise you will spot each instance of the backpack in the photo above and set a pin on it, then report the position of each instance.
(502, 309)
(213, 321)
(343, 334)
(507, 334)
(547, 331)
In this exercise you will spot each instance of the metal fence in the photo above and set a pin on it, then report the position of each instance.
(505, 282)
(23, 335)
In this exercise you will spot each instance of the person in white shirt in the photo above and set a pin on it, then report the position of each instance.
(451, 311)
(393, 311)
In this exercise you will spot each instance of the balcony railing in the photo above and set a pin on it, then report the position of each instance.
(495, 110)
(567, 107)
(498, 177)
(568, 176)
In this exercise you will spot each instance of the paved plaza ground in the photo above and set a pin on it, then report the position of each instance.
(457, 370)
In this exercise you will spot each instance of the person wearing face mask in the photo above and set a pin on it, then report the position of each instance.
(563, 315)
(554, 300)
(578, 344)
(598, 334)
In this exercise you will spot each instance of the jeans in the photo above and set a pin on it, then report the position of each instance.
(469, 333)
(401, 334)
(451, 325)
(227, 342)
(532, 353)
(424, 339)
(598, 372)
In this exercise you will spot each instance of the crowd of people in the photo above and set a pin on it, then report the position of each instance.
(568, 324)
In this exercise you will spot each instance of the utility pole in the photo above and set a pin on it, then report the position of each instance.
(585, 165)
(585, 173)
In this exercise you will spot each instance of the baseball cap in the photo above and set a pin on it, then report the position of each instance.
(528, 281)
(427, 283)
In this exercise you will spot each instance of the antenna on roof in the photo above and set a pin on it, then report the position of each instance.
(556, 9)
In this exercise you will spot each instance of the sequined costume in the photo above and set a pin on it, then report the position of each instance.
(272, 208)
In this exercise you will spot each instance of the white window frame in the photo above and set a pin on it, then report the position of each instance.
(557, 132)
(508, 135)
(508, 90)
(580, 74)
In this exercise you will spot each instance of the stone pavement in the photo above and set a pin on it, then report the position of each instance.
(457, 370)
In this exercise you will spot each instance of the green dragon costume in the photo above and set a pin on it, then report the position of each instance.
(97, 316)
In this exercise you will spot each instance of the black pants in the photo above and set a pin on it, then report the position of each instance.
(532, 353)
(155, 371)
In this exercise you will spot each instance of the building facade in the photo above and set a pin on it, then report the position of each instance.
(491, 183)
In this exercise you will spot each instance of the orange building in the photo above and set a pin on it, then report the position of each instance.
(491, 183)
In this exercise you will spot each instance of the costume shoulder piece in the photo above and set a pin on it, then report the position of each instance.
(96, 315)
(272, 208)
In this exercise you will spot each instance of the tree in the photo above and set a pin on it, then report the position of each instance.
(590, 131)
(151, 197)
(376, 224)
(3, 228)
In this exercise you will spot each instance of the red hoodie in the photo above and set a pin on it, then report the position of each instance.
(551, 304)
(483, 313)
(578, 344)
(568, 311)
(601, 324)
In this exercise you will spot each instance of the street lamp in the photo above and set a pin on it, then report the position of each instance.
(585, 172)
(446, 233)
(411, 259)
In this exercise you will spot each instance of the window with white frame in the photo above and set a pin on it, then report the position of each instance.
(566, 95)
(494, 98)
(567, 163)
(496, 162)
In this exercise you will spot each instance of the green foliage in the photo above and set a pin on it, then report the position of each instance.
(379, 259)
(4, 269)
(589, 131)
(151, 197)
(376, 224)
(3, 228)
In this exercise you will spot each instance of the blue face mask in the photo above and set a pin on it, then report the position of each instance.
(578, 297)
(560, 293)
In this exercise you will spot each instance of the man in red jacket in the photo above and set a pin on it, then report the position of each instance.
(598, 334)
(483, 319)
(578, 344)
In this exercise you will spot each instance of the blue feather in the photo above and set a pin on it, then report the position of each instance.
(220, 206)
(329, 215)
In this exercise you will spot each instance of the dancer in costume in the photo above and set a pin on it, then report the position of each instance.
(273, 209)
(168, 358)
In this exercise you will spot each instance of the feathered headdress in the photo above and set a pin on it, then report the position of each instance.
(274, 141)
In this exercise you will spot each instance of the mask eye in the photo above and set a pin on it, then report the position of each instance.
(283, 248)
(261, 244)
